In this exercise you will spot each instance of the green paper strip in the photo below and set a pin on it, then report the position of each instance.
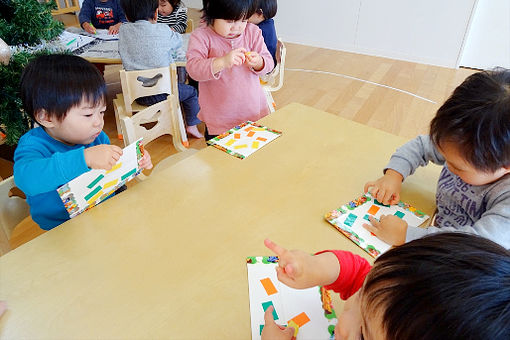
(94, 182)
(266, 305)
(92, 193)
(127, 174)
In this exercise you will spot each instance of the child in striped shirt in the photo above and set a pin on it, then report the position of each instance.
(174, 14)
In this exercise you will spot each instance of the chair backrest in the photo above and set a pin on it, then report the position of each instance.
(164, 117)
(136, 84)
(13, 209)
(65, 6)
(190, 26)
(274, 79)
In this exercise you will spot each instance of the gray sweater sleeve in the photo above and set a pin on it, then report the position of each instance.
(413, 154)
(494, 223)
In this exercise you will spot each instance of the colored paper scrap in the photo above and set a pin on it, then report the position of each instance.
(110, 184)
(258, 129)
(237, 135)
(255, 145)
(300, 319)
(373, 210)
(115, 167)
(248, 128)
(95, 197)
(95, 181)
(269, 286)
(261, 328)
(262, 139)
(294, 325)
(399, 214)
(366, 217)
(230, 142)
(350, 220)
(250, 134)
(127, 174)
(266, 305)
(92, 193)
(242, 146)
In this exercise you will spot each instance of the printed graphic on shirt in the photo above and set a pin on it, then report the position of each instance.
(104, 15)
(456, 201)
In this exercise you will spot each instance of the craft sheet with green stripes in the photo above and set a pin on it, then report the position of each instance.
(302, 309)
(349, 220)
(95, 185)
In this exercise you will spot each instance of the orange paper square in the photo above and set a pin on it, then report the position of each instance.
(268, 286)
(237, 135)
(262, 139)
(373, 210)
(250, 134)
(301, 319)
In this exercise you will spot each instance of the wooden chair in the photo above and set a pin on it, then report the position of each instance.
(13, 210)
(66, 6)
(273, 81)
(164, 117)
(136, 84)
(190, 26)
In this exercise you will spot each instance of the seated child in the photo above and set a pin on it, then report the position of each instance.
(146, 44)
(470, 137)
(103, 14)
(263, 18)
(226, 56)
(66, 96)
(445, 286)
(174, 14)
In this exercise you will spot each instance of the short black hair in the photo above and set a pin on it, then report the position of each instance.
(58, 82)
(227, 9)
(174, 3)
(476, 117)
(268, 8)
(445, 286)
(139, 9)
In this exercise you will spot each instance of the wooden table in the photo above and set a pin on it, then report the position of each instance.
(166, 258)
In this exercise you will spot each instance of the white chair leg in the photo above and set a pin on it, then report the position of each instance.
(270, 101)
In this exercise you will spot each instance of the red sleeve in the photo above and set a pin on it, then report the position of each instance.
(353, 270)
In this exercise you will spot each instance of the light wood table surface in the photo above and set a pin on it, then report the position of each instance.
(166, 258)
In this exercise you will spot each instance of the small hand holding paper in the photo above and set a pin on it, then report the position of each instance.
(390, 229)
(103, 156)
(145, 162)
(273, 331)
(254, 60)
(387, 188)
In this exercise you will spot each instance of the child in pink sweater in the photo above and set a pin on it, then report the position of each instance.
(226, 56)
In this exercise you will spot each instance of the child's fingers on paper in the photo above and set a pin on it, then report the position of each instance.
(395, 198)
(283, 277)
(375, 222)
(368, 185)
(268, 315)
(370, 228)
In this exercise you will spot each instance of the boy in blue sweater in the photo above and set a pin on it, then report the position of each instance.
(66, 96)
(103, 14)
(263, 18)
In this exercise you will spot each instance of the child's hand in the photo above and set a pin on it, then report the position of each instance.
(114, 29)
(254, 60)
(145, 162)
(298, 269)
(234, 58)
(387, 188)
(102, 156)
(390, 229)
(272, 331)
(89, 28)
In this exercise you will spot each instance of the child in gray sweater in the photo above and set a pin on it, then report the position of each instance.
(470, 137)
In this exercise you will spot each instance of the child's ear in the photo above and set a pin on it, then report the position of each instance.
(44, 119)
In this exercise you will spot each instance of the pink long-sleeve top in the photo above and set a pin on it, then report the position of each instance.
(231, 96)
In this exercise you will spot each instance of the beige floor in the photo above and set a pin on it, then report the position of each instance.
(395, 96)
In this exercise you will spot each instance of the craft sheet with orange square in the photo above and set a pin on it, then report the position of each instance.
(302, 307)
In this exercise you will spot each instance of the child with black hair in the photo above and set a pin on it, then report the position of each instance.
(470, 137)
(146, 44)
(66, 96)
(445, 286)
(103, 14)
(263, 18)
(174, 14)
(226, 56)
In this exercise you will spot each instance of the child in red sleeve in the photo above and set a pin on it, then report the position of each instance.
(445, 286)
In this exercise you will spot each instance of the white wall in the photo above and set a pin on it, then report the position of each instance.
(430, 31)
(488, 42)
